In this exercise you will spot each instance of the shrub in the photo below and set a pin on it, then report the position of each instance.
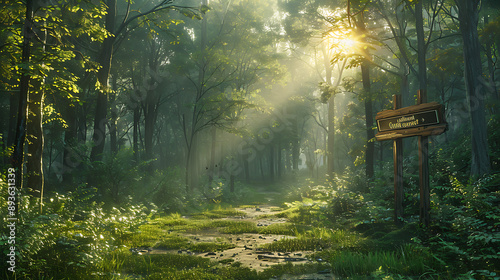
(466, 232)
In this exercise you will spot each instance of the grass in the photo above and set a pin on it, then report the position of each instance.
(291, 269)
(409, 260)
(172, 266)
(354, 253)
(218, 214)
(239, 227)
(150, 264)
(284, 229)
(317, 239)
(172, 242)
(147, 236)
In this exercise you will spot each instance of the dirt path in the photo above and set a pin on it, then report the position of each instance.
(247, 246)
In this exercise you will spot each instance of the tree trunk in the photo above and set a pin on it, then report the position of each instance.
(17, 160)
(488, 50)
(113, 133)
(468, 16)
(135, 141)
(70, 140)
(421, 47)
(271, 162)
(261, 167)
(105, 58)
(279, 161)
(295, 145)
(370, 134)
(34, 165)
(211, 168)
(13, 111)
(331, 115)
(149, 122)
(331, 137)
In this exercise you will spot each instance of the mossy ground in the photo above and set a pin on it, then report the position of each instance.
(257, 241)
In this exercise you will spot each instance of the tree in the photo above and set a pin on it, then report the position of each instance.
(476, 92)
(116, 34)
(221, 78)
(17, 160)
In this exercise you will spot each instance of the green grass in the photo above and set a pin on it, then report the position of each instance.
(146, 236)
(317, 239)
(149, 264)
(284, 229)
(238, 227)
(172, 266)
(291, 269)
(409, 260)
(172, 242)
(218, 214)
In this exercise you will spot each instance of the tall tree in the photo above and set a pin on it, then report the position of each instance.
(28, 35)
(468, 13)
(116, 33)
(358, 16)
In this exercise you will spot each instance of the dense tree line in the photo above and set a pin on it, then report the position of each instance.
(120, 111)
(234, 90)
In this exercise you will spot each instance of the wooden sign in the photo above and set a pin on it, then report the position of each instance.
(418, 120)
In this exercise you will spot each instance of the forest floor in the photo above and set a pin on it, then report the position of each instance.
(248, 246)
(235, 236)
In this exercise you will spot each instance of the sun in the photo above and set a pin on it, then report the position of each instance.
(348, 43)
(342, 42)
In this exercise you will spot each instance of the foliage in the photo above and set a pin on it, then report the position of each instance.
(467, 224)
(115, 175)
(169, 191)
(76, 236)
(318, 239)
(409, 260)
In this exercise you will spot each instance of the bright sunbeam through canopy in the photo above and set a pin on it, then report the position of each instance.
(342, 43)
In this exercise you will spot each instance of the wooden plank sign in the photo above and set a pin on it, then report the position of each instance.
(418, 120)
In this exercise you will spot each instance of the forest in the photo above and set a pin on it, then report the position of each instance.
(238, 139)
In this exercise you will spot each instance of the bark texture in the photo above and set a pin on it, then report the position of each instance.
(476, 91)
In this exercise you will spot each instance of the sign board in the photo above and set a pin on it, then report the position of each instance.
(418, 120)
(421, 120)
(409, 121)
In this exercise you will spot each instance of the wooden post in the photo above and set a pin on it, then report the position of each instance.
(398, 169)
(423, 149)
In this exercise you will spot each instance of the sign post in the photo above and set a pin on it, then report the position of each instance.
(397, 151)
(423, 163)
(422, 120)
